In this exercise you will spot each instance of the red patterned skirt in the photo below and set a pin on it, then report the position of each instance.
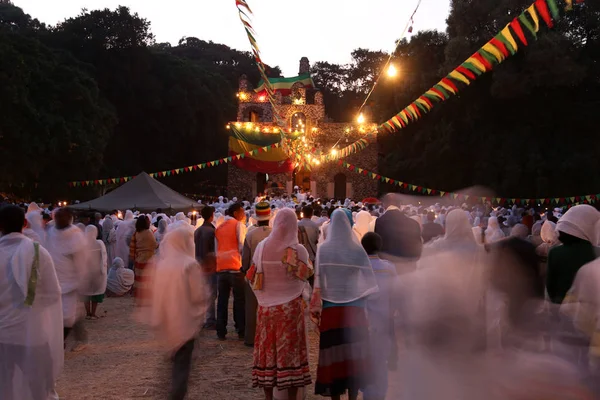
(142, 284)
(344, 360)
(280, 352)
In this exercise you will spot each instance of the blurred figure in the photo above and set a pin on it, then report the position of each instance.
(253, 238)
(343, 280)
(380, 317)
(458, 235)
(543, 356)
(120, 279)
(279, 277)
(204, 242)
(430, 229)
(125, 231)
(141, 250)
(549, 237)
(401, 236)
(520, 231)
(96, 272)
(308, 231)
(362, 224)
(109, 237)
(31, 327)
(536, 231)
(67, 246)
(493, 233)
(178, 304)
(577, 232)
(161, 231)
(35, 224)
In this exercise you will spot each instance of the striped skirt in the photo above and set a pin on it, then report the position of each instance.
(344, 362)
(142, 284)
(280, 352)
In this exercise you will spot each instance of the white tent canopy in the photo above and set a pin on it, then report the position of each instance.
(142, 193)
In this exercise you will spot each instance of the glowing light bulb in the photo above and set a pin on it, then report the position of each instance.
(238, 124)
(360, 119)
(262, 98)
(392, 71)
(227, 126)
(317, 162)
(333, 152)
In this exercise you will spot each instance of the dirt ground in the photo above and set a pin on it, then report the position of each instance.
(122, 361)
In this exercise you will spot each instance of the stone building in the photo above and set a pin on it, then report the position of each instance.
(301, 106)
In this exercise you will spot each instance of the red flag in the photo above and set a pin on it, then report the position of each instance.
(500, 46)
(466, 72)
(516, 27)
(542, 8)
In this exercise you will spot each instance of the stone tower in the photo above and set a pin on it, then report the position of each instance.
(304, 66)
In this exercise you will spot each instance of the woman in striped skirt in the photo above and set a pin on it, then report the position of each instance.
(279, 277)
(343, 280)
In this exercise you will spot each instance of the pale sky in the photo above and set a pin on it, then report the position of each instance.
(322, 30)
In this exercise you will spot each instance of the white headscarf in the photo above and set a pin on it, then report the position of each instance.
(493, 233)
(458, 233)
(278, 287)
(362, 224)
(120, 279)
(342, 267)
(549, 233)
(580, 221)
(96, 263)
(179, 295)
(519, 231)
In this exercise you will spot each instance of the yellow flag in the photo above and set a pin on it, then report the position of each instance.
(447, 87)
(460, 77)
(508, 36)
(432, 93)
(490, 48)
(534, 16)
(477, 64)
(424, 103)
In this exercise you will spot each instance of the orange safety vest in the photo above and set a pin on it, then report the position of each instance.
(228, 249)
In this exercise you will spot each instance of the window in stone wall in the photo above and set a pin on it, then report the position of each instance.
(254, 116)
(298, 122)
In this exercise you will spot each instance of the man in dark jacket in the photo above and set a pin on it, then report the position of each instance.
(431, 230)
(204, 240)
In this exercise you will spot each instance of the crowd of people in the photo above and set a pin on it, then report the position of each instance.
(464, 302)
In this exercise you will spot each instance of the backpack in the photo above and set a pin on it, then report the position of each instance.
(304, 241)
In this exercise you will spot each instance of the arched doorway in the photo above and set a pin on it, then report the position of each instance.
(339, 186)
(261, 183)
(302, 179)
(298, 122)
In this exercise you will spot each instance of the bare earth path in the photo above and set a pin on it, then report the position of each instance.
(122, 361)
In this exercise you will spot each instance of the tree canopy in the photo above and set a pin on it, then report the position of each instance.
(96, 96)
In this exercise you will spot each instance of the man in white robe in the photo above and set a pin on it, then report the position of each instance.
(125, 231)
(31, 329)
(67, 246)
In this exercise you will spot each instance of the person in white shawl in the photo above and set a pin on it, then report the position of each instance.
(125, 231)
(35, 224)
(96, 272)
(162, 230)
(343, 280)
(120, 279)
(493, 233)
(31, 328)
(178, 304)
(181, 222)
(362, 224)
(109, 237)
(67, 246)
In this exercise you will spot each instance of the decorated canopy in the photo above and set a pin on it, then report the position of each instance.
(274, 161)
(142, 193)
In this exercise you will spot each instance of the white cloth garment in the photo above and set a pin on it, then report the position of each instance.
(362, 224)
(278, 287)
(179, 294)
(125, 231)
(96, 263)
(342, 268)
(68, 250)
(519, 231)
(35, 224)
(459, 234)
(493, 233)
(31, 337)
(580, 221)
(109, 237)
(162, 230)
(120, 279)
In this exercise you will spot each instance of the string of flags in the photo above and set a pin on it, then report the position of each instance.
(422, 190)
(519, 32)
(176, 171)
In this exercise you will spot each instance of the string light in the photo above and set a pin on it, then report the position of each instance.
(360, 119)
(262, 98)
(392, 71)
(333, 152)
(227, 126)
(238, 124)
